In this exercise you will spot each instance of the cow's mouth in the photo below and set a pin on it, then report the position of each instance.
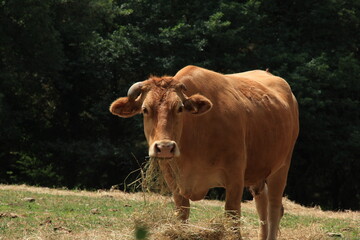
(148, 158)
(165, 158)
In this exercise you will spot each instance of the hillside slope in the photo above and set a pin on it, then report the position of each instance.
(43, 213)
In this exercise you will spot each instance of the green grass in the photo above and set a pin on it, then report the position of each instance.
(349, 229)
(60, 214)
(108, 216)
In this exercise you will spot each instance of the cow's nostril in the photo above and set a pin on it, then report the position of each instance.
(157, 149)
(172, 148)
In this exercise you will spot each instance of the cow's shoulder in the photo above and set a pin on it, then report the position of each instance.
(201, 80)
(188, 70)
(196, 72)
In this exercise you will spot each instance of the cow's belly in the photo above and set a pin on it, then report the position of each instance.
(193, 194)
(196, 184)
(253, 176)
(191, 183)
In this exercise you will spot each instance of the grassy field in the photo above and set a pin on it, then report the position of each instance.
(43, 213)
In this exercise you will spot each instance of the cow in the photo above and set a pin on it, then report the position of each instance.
(216, 130)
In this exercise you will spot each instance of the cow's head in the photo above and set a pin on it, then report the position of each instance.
(163, 102)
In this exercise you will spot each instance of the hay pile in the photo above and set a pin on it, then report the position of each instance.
(157, 222)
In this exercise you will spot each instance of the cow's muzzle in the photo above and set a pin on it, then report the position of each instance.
(164, 149)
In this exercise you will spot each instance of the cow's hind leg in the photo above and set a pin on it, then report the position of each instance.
(276, 185)
(260, 194)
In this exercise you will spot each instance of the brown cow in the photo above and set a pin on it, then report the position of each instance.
(215, 130)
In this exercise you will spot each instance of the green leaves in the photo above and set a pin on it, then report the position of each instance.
(216, 23)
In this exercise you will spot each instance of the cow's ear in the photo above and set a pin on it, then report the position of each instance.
(197, 104)
(124, 107)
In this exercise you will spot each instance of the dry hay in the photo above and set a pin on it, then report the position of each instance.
(189, 232)
(152, 179)
(162, 224)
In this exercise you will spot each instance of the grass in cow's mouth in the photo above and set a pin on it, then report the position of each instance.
(152, 178)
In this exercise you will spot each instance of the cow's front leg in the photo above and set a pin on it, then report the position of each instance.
(182, 207)
(233, 207)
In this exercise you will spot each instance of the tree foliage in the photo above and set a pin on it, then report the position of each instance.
(63, 62)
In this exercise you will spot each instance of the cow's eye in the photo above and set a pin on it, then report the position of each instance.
(144, 110)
